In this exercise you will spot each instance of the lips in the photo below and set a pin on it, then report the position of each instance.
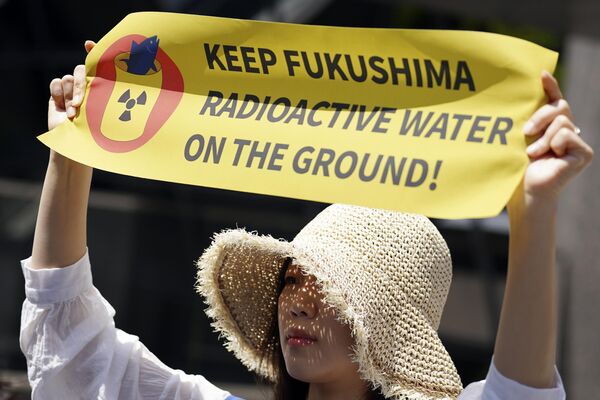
(299, 337)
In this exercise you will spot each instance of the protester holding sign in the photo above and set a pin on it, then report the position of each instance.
(348, 310)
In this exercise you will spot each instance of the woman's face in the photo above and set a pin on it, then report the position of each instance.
(315, 345)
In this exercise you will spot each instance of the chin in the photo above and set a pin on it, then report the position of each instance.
(303, 374)
(306, 371)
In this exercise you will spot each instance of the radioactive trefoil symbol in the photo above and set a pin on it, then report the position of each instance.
(130, 103)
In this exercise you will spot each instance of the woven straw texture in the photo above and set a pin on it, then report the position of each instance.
(386, 273)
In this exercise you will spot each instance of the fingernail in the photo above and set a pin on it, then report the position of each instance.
(77, 99)
(528, 128)
(71, 112)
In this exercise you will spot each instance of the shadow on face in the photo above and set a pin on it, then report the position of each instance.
(316, 346)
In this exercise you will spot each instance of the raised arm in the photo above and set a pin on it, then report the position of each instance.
(68, 333)
(60, 231)
(525, 346)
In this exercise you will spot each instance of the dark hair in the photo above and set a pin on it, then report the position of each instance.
(285, 386)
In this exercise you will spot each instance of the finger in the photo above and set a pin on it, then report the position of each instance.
(551, 87)
(566, 143)
(89, 45)
(56, 92)
(558, 143)
(67, 85)
(540, 119)
(79, 85)
(542, 145)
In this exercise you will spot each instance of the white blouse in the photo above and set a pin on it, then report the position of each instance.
(74, 350)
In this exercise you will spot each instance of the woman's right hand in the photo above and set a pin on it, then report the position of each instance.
(66, 94)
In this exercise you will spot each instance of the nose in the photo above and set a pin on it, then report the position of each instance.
(303, 306)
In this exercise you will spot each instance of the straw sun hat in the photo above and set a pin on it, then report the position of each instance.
(386, 273)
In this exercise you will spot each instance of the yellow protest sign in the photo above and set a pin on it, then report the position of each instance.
(425, 121)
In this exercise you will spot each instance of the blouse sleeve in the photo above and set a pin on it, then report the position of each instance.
(73, 349)
(498, 387)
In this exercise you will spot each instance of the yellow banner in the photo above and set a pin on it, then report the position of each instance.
(424, 121)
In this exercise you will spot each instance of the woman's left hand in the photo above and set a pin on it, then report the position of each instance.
(558, 154)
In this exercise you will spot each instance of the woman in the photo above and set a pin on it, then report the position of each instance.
(313, 329)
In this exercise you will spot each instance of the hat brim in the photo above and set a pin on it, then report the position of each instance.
(239, 277)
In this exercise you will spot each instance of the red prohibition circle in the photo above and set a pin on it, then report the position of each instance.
(102, 87)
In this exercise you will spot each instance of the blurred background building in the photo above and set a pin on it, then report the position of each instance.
(144, 235)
